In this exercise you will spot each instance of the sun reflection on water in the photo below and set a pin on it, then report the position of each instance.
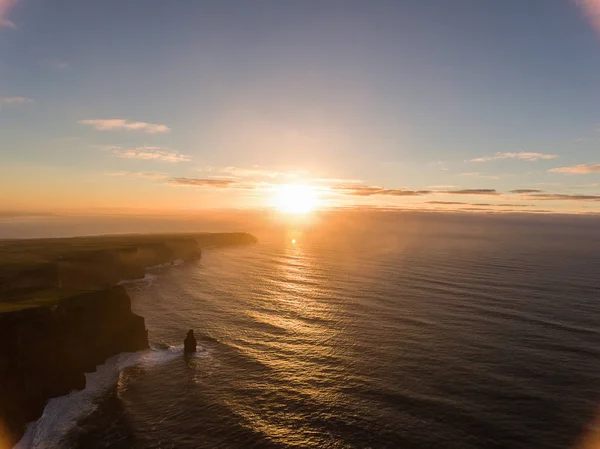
(301, 336)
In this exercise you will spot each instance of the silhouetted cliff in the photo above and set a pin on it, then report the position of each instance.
(45, 351)
(61, 313)
(39, 271)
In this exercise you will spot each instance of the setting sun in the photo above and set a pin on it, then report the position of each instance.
(295, 199)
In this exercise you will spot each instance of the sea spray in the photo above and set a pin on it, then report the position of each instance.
(61, 414)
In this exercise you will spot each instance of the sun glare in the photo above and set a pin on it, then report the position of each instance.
(295, 199)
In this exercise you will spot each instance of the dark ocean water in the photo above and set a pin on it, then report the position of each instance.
(382, 334)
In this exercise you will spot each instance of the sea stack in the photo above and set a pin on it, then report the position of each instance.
(189, 344)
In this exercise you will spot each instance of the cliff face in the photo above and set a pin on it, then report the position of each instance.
(45, 351)
(51, 333)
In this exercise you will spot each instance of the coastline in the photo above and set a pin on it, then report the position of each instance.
(51, 340)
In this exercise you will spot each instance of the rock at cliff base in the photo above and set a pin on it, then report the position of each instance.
(189, 344)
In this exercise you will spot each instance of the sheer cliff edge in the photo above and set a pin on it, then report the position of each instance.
(62, 312)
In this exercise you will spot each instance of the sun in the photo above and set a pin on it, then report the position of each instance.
(295, 198)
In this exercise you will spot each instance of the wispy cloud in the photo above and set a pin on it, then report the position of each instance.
(142, 175)
(562, 197)
(582, 169)
(146, 153)
(480, 175)
(349, 189)
(526, 191)
(460, 203)
(446, 203)
(357, 190)
(524, 156)
(255, 173)
(473, 192)
(202, 182)
(5, 7)
(15, 100)
(119, 124)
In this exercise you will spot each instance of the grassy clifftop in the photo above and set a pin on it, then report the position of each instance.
(40, 272)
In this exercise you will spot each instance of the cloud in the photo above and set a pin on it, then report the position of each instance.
(271, 175)
(5, 8)
(355, 190)
(358, 190)
(15, 100)
(521, 156)
(563, 197)
(582, 169)
(146, 153)
(254, 173)
(479, 175)
(394, 192)
(257, 172)
(119, 124)
(526, 191)
(142, 175)
(457, 203)
(439, 164)
(445, 203)
(202, 182)
(473, 192)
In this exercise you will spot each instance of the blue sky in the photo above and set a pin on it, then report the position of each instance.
(192, 104)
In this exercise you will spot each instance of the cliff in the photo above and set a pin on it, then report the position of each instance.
(62, 312)
(45, 351)
(43, 271)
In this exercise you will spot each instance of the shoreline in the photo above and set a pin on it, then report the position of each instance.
(65, 311)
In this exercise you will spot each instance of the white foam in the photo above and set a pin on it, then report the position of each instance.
(148, 277)
(172, 263)
(61, 414)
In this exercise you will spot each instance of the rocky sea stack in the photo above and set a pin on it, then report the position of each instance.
(190, 343)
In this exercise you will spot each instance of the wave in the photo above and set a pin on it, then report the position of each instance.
(148, 277)
(62, 414)
(173, 263)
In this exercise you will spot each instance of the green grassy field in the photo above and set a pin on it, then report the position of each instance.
(41, 272)
(39, 298)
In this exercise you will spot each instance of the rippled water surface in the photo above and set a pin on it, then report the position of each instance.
(399, 335)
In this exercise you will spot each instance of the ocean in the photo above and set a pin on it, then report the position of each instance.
(378, 331)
